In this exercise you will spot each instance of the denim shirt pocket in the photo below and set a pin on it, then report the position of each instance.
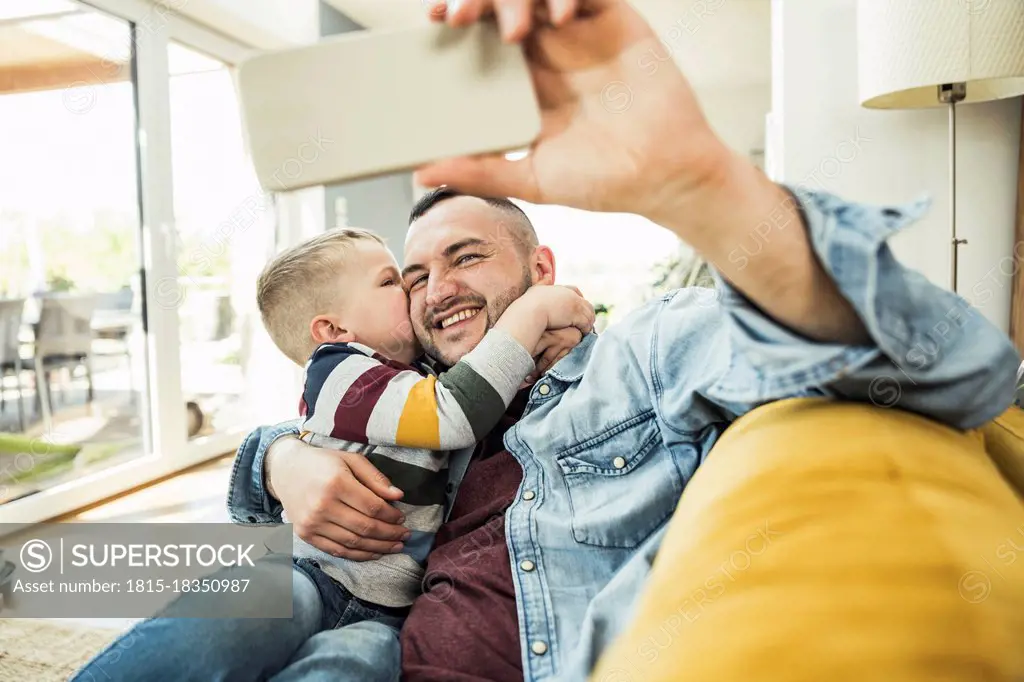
(622, 484)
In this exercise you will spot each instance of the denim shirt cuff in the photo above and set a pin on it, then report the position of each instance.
(770, 361)
(248, 499)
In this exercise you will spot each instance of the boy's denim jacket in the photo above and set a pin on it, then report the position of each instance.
(613, 432)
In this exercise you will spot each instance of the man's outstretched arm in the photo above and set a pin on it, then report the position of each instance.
(754, 232)
(618, 135)
(927, 350)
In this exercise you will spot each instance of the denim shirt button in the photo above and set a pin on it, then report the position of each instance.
(544, 389)
(529, 495)
(527, 565)
(619, 462)
(540, 648)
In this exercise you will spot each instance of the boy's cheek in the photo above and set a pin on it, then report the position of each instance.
(405, 330)
(409, 338)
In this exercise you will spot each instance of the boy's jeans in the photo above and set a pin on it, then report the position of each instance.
(330, 636)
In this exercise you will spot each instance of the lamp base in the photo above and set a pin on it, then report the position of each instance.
(951, 93)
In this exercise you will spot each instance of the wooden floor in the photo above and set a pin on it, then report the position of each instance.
(196, 495)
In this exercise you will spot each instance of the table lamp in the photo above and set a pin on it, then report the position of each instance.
(914, 54)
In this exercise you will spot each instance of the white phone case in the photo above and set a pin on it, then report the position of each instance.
(367, 103)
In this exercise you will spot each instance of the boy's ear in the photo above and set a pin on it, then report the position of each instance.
(542, 267)
(328, 329)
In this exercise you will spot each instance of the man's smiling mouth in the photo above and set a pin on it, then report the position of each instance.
(458, 317)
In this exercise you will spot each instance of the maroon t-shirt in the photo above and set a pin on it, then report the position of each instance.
(465, 628)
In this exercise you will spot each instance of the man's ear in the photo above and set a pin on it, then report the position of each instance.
(542, 267)
(328, 329)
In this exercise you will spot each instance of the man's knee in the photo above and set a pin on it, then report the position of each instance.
(365, 636)
(369, 650)
(374, 633)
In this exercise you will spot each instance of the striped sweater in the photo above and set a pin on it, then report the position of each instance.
(405, 421)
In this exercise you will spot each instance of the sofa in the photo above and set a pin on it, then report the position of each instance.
(843, 542)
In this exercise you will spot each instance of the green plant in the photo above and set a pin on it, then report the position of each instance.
(681, 269)
(231, 357)
(45, 459)
(17, 444)
(57, 282)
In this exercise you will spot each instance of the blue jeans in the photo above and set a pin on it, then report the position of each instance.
(330, 636)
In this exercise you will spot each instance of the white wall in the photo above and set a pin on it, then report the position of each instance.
(259, 23)
(826, 140)
(737, 114)
(717, 43)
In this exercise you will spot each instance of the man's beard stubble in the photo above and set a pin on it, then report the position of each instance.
(494, 310)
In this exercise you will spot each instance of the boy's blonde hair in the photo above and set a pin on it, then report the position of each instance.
(301, 283)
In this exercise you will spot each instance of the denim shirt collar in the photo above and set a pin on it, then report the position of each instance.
(570, 368)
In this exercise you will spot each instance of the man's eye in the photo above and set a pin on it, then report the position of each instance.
(416, 282)
(469, 257)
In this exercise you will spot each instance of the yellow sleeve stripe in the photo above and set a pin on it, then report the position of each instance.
(419, 426)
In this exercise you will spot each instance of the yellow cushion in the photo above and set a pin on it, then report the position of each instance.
(1004, 441)
(827, 541)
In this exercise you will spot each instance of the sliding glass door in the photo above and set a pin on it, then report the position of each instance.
(73, 385)
(225, 231)
(131, 233)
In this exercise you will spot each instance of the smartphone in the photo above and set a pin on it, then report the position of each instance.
(373, 102)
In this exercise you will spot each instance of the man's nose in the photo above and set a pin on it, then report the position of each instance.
(439, 289)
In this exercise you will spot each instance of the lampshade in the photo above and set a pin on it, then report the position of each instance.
(906, 48)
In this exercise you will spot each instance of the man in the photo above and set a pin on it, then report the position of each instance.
(552, 522)
(551, 533)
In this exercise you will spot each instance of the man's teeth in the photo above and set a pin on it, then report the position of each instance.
(458, 317)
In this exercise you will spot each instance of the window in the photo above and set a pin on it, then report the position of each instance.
(72, 346)
(128, 202)
(612, 257)
(225, 229)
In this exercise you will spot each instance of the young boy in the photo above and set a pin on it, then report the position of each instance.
(337, 299)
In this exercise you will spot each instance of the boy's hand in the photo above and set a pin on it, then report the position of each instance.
(561, 306)
(545, 307)
(554, 345)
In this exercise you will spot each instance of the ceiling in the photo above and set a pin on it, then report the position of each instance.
(55, 44)
(49, 43)
(73, 46)
(18, 46)
(728, 47)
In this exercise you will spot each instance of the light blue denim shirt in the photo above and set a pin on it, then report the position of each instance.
(612, 434)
